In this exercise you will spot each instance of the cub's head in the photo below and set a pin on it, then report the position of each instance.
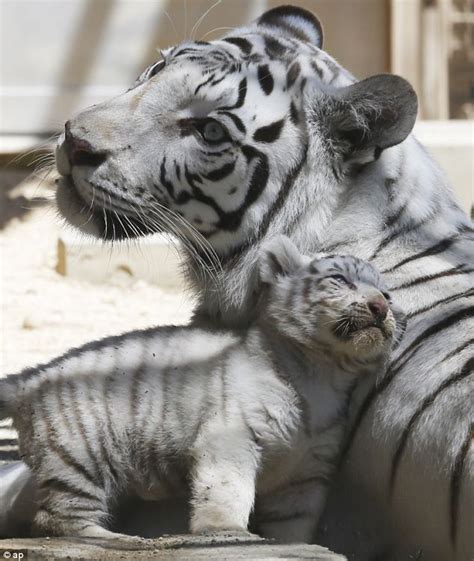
(335, 304)
(212, 140)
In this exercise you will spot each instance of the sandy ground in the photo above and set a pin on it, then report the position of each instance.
(44, 313)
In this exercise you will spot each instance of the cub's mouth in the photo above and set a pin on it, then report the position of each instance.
(350, 329)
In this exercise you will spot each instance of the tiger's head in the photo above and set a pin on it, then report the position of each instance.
(212, 141)
(335, 304)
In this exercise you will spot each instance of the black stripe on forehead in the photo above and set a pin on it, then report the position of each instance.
(269, 133)
(273, 47)
(265, 79)
(236, 120)
(292, 74)
(244, 44)
(316, 68)
(241, 98)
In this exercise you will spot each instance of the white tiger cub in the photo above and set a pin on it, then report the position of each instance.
(228, 416)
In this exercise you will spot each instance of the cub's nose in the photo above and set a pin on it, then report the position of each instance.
(79, 151)
(378, 307)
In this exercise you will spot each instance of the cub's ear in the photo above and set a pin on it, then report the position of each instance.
(294, 22)
(278, 257)
(359, 121)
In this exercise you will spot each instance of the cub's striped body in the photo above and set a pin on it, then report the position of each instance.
(217, 415)
(225, 159)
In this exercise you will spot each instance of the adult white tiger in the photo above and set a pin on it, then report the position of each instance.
(263, 133)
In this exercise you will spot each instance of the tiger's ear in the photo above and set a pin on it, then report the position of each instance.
(363, 119)
(278, 257)
(294, 22)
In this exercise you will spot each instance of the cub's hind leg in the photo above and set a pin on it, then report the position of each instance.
(69, 509)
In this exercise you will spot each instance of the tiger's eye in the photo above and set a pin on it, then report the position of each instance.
(214, 132)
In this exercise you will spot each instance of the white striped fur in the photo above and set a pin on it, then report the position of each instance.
(220, 415)
(334, 168)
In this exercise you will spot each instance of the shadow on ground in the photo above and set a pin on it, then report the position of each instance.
(14, 202)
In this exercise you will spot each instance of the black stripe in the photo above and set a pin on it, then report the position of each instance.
(219, 80)
(433, 250)
(456, 480)
(434, 329)
(237, 122)
(400, 232)
(76, 399)
(459, 349)
(164, 181)
(265, 79)
(459, 270)
(244, 45)
(106, 462)
(269, 133)
(316, 68)
(211, 77)
(58, 449)
(440, 302)
(107, 389)
(63, 486)
(273, 211)
(295, 118)
(467, 369)
(292, 74)
(135, 396)
(221, 173)
(71, 462)
(273, 47)
(395, 216)
(240, 99)
(230, 221)
(396, 366)
(185, 51)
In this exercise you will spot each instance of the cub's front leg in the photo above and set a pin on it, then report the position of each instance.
(290, 514)
(225, 464)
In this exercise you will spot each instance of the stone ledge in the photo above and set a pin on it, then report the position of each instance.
(172, 548)
(153, 259)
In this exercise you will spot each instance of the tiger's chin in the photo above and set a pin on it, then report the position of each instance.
(101, 223)
(73, 208)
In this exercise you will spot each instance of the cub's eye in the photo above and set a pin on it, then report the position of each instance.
(387, 296)
(340, 278)
(213, 132)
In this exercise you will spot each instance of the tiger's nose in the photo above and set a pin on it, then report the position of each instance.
(79, 151)
(378, 307)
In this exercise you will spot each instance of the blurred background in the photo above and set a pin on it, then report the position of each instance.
(58, 56)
